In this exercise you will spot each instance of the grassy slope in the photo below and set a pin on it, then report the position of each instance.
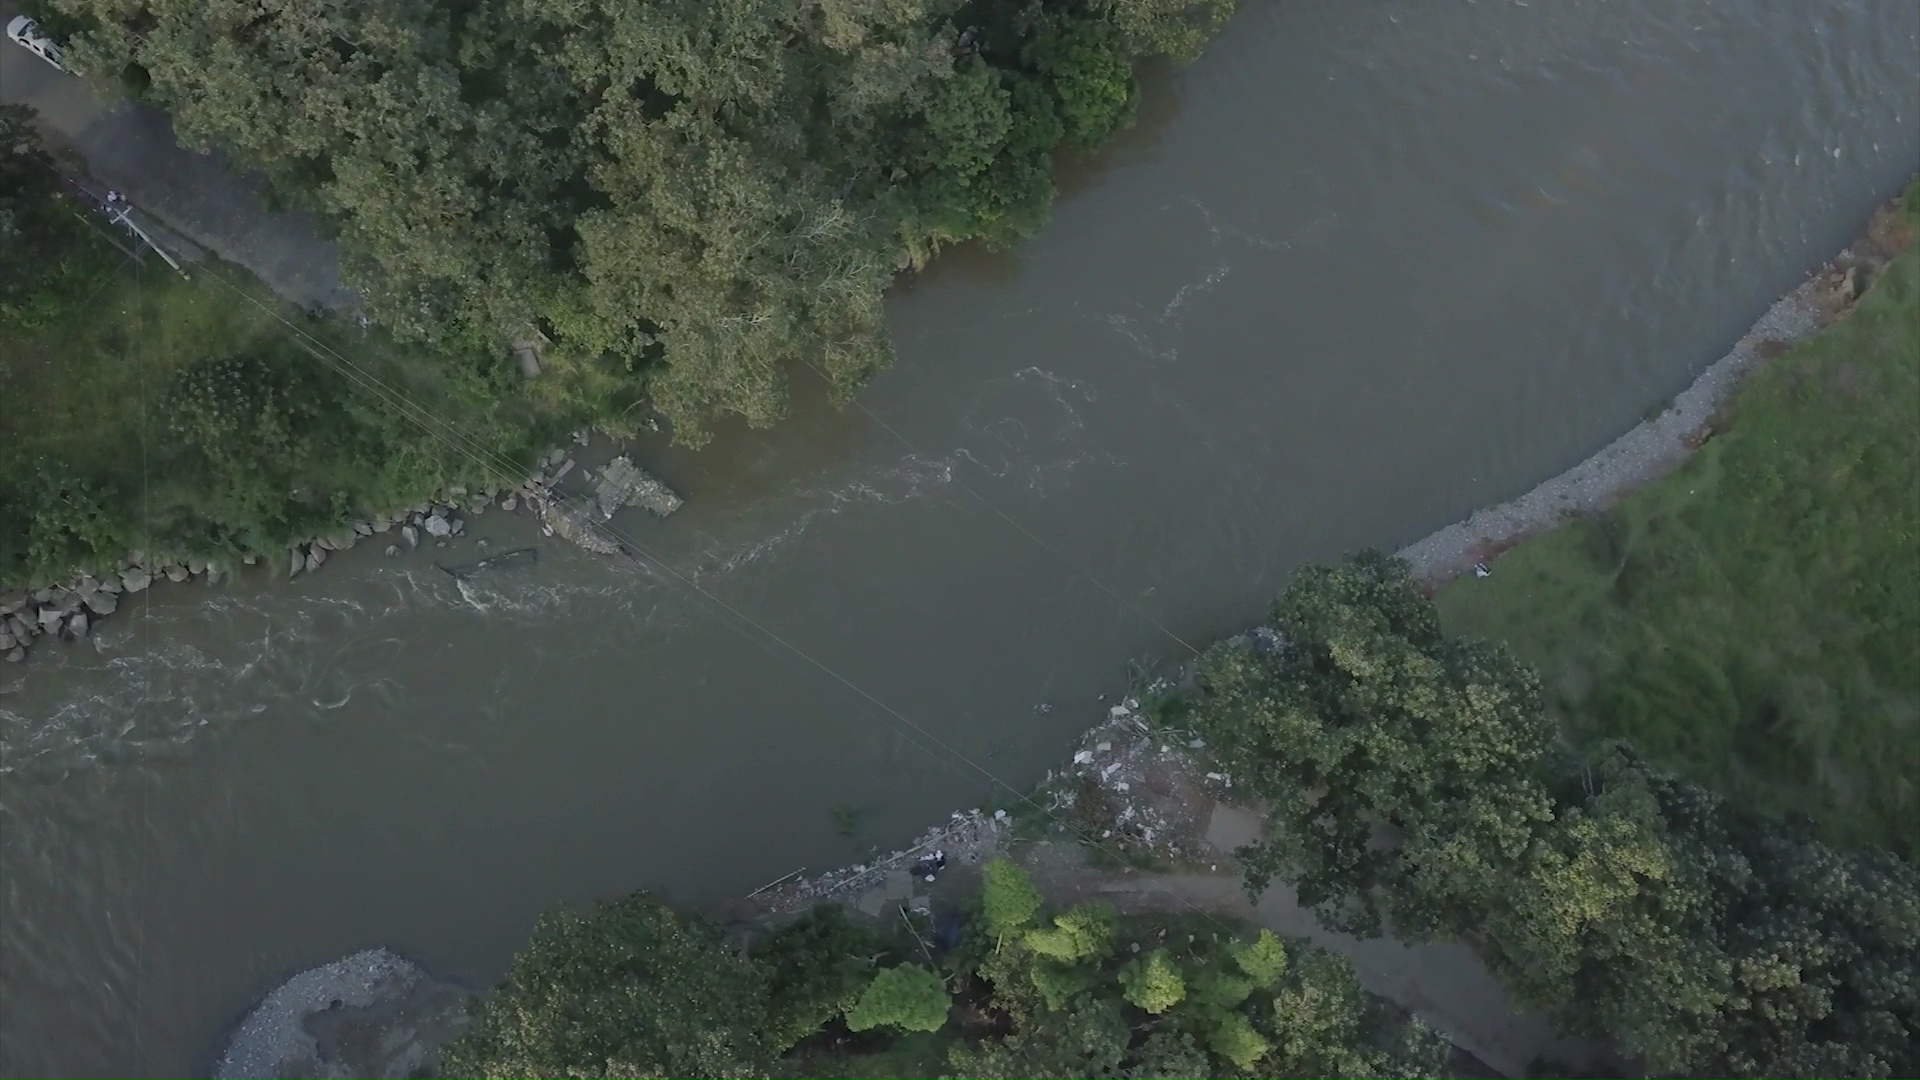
(98, 387)
(1753, 620)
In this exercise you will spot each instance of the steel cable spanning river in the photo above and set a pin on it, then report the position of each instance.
(1360, 270)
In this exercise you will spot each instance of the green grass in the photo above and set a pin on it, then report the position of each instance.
(1753, 620)
(121, 448)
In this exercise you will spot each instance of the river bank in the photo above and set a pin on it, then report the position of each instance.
(1652, 449)
(1660, 444)
(69, 611)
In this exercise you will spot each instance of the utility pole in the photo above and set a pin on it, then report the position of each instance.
(120, 212)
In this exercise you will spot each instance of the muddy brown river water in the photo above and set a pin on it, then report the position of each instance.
(1363, 268)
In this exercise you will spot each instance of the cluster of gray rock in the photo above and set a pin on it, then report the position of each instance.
(68, 612)
(438, 520)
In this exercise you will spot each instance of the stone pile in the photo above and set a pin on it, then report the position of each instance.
(68, 612)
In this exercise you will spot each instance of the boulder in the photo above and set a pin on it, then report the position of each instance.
(363, 528)
(195, 566)
(135, 579)
(111, 585)
(392, 550)
(438, 525)
(50, 620)
(175, 572)
(371, 1014)
(411, 535)
(18, 654)
(6, 637)
(315, 556)
(509, 503)
(77, 625)
(296, 561)
(22, 629)
(102, 603)
(382, 524)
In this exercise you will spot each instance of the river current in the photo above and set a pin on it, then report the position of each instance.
(1364, 267)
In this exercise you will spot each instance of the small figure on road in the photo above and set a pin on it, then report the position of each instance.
(1481, 569)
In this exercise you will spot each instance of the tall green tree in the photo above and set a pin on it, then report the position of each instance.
(1415, 781)
(686, 199)
(817, 967)
(1384, 751)
(631, 989)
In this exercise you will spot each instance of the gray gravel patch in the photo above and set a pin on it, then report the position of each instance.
(371, 1014)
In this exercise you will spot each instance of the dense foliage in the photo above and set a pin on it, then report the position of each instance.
(683, 196)
(177, 419)
(1751, 620)
(49, 266)
(1413, 781)
(637, 989)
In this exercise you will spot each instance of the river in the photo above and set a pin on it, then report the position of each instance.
(1363, 268)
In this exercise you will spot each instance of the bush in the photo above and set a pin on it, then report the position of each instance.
(908, 997)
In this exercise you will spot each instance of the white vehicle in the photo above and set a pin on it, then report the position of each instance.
(26, 34)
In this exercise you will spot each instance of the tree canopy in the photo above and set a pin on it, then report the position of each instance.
(638, 989)
(1415, 782)
(686, 196)
(633, 989)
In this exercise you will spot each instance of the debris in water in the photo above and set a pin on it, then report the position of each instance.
(518, 556)
(622, 483)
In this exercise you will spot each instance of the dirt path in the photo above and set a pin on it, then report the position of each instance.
(131, 148)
